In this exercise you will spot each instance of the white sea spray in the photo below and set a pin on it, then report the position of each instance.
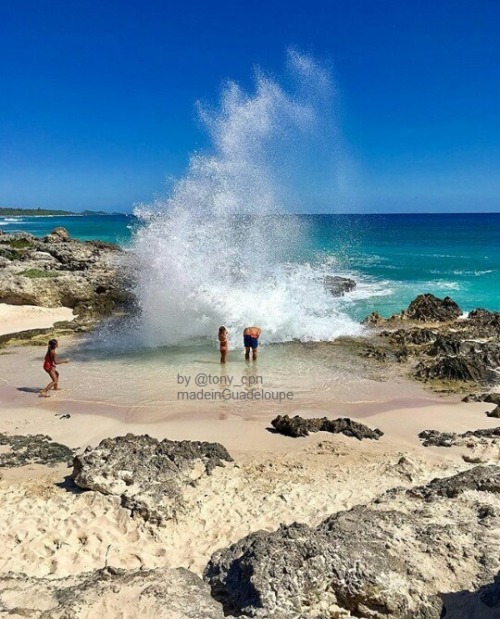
(221, 249)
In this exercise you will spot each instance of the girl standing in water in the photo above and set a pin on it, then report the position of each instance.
(223, 344)
(49, 365)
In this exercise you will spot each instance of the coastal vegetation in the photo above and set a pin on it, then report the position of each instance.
(37, 273)
(31, 212)
(42, 212)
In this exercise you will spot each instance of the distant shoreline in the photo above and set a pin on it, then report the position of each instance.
(40, 212)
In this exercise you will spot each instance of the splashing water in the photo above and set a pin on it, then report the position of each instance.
(221, 249)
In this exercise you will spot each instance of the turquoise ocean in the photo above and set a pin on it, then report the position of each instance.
(392, 257)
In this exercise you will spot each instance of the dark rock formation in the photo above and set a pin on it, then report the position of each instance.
(33, 449)
(455, 350)
(483, 322)
(494, 413)
(58, 271)
(465, 369)
(413, 336)
(338, 286)
(298, 426)
(161, 593)
(448, 439)
(148, 475)
(494, 398)
(373, 320)
(453, 345)
(480, 478)
(428, 308)
(388, 559)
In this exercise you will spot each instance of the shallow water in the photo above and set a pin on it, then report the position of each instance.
(188, 383)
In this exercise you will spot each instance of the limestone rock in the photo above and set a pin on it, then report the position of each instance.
(393, 558)
(110, 593)
(373, 320)
(32, 449)
(448, 439)
(338, 286)
(480, 479)
(59, 271)
(428, 308)
(484, 322)
(494, 398)
(415, 336)
(298, 426)
(458, 368)
(494, 413)
(59, 234)
(148, 475)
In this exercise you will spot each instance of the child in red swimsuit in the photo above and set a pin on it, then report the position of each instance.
(223, 344)
(49, 365)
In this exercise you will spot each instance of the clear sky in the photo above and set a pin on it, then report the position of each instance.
(97, 104)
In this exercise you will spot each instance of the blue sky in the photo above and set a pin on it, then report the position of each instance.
(98, 98)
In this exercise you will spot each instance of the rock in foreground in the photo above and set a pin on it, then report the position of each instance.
(148, 475)
(401, 556)
(22, 450)
(110, 593)
(298, 426)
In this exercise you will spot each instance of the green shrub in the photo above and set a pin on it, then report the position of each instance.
(17, 243)
(20, 243)
(36, 273)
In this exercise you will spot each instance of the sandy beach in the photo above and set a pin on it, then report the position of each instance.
(17, 318)
(49, 531)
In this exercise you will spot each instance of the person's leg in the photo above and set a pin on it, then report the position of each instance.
(247, 353)
(43, 392)
(254, 353)
(223, 354)
(56, 386)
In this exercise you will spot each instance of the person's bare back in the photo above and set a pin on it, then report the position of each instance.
(251, 341)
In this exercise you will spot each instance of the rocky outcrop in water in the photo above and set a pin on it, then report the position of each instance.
(428, 308)
(338, 286)
(452, 350)
(58, 271)
(32, 449)
(397, 557)
(298, 426)
(148, 475)
(473, 368)
(109, 593)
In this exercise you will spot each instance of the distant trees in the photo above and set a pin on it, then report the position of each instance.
(19, 212)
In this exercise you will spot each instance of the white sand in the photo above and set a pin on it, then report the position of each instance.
(15, 318)
(46, 530)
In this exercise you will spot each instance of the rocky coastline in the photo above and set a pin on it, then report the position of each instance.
(433, 342)
(418, 550)
(58, 271)
(430, 341)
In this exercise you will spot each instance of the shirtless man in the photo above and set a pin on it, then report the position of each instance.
(251, 341)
